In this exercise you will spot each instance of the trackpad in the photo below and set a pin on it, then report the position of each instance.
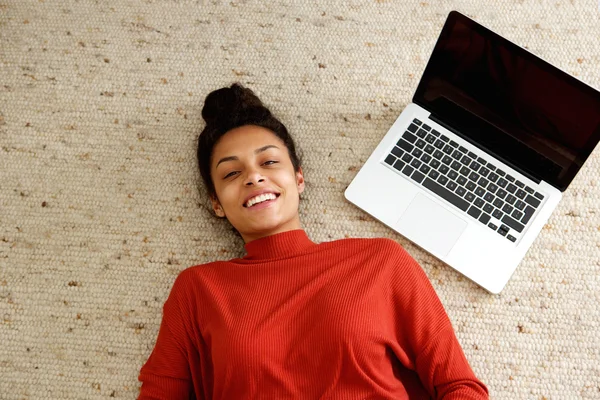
(430, 225)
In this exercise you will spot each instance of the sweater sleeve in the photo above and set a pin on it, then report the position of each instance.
(426, 337)
(166, 373)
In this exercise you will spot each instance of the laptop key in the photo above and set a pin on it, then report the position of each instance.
(457, 155)
(415, 163)
(511, 188)
(483, 183)
(474, 211)
(498, 203)
(474, 176)
(511, 238)
(453, 143)
(472, 155)
(520, 184)
(460, 191)
(520, 205)
(435, 133)
(492, 188)
(438, 154)
(501, 193)
(413, 128)
(512, 223)
(491, 167)
(390, 159)
(507, 208)
(491, 225)
(445, 138)
(502, 182)
(446, 194)
(521, 193)
(475, 166)
(488, 208)
(439, 144)
(484, 218)
(503, 230)
(416, 121)
(399, 165)
(433, 174)
(465, 171)
(425, 158)
(448, 149)
(484, 171)
(461, 180)
(479, 202)
(469, 197)
(403, 144)
(417, 152)
(407, 158)
(397, 152)
(481, 161)
(528, 213)
(532, 201)
(430, 138)
(500, 172)
(427, 127)
(420, 143)
(456, 165)
(497, 214)
(539, 195)
(409, 137)
(444, 169)
(488, 197)
(446, 160)
(466, 160)
(434, 163)
(493, 177)
(408, 170)
(516, 214)
(480, 191)
(429, 149)
(421, 133)
(529, 190)
(510, 199)
(442, 179)
(452, 174)
(425, 168)
(451, 185)
(471, 185)
(417, 176)
(462, 149)
(509, 178)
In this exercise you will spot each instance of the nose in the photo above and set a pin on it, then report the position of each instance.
(254, 177)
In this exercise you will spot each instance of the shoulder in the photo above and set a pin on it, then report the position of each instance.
(380, 245)
(188, 279)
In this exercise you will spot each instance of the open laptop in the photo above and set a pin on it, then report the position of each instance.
(473, 168)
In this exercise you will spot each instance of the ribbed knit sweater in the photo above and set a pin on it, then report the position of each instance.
(293, 319)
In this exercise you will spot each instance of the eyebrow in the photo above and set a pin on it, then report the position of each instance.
(257, 151)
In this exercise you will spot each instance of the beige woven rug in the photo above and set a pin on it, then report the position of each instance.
(100, 198)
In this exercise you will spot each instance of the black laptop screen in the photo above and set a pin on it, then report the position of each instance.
(518, 107)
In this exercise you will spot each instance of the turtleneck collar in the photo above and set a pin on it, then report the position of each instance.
(278, 245)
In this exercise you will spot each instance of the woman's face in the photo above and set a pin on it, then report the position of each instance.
(249, 160)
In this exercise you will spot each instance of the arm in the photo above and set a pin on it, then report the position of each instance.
(166, 375)
(426, 338)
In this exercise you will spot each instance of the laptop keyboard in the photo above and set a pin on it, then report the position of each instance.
(456, 174)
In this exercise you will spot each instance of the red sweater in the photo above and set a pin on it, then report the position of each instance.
(346, 319)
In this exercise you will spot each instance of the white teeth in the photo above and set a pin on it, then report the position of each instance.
(260, 199)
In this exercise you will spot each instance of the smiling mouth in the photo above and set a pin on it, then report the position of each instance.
(266, 201)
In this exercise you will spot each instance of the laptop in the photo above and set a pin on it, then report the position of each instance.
(473, 168)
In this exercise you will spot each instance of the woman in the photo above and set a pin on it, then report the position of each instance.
(293, 319)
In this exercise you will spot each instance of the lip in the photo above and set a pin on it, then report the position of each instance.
(257, 193)
(262, 205)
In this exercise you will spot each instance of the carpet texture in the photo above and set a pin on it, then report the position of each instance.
(101, 203)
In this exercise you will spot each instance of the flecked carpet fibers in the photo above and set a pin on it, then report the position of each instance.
(101, 204)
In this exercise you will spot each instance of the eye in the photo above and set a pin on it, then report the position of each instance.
(229, 174)
(271, 161)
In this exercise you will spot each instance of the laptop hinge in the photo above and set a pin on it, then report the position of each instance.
(525, 173)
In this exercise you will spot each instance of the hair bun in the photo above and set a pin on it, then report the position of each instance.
(223, 105)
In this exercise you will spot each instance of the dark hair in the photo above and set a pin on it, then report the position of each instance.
(231, 107)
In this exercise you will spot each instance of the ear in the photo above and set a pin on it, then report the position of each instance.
(300, 180)
(217, 207)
